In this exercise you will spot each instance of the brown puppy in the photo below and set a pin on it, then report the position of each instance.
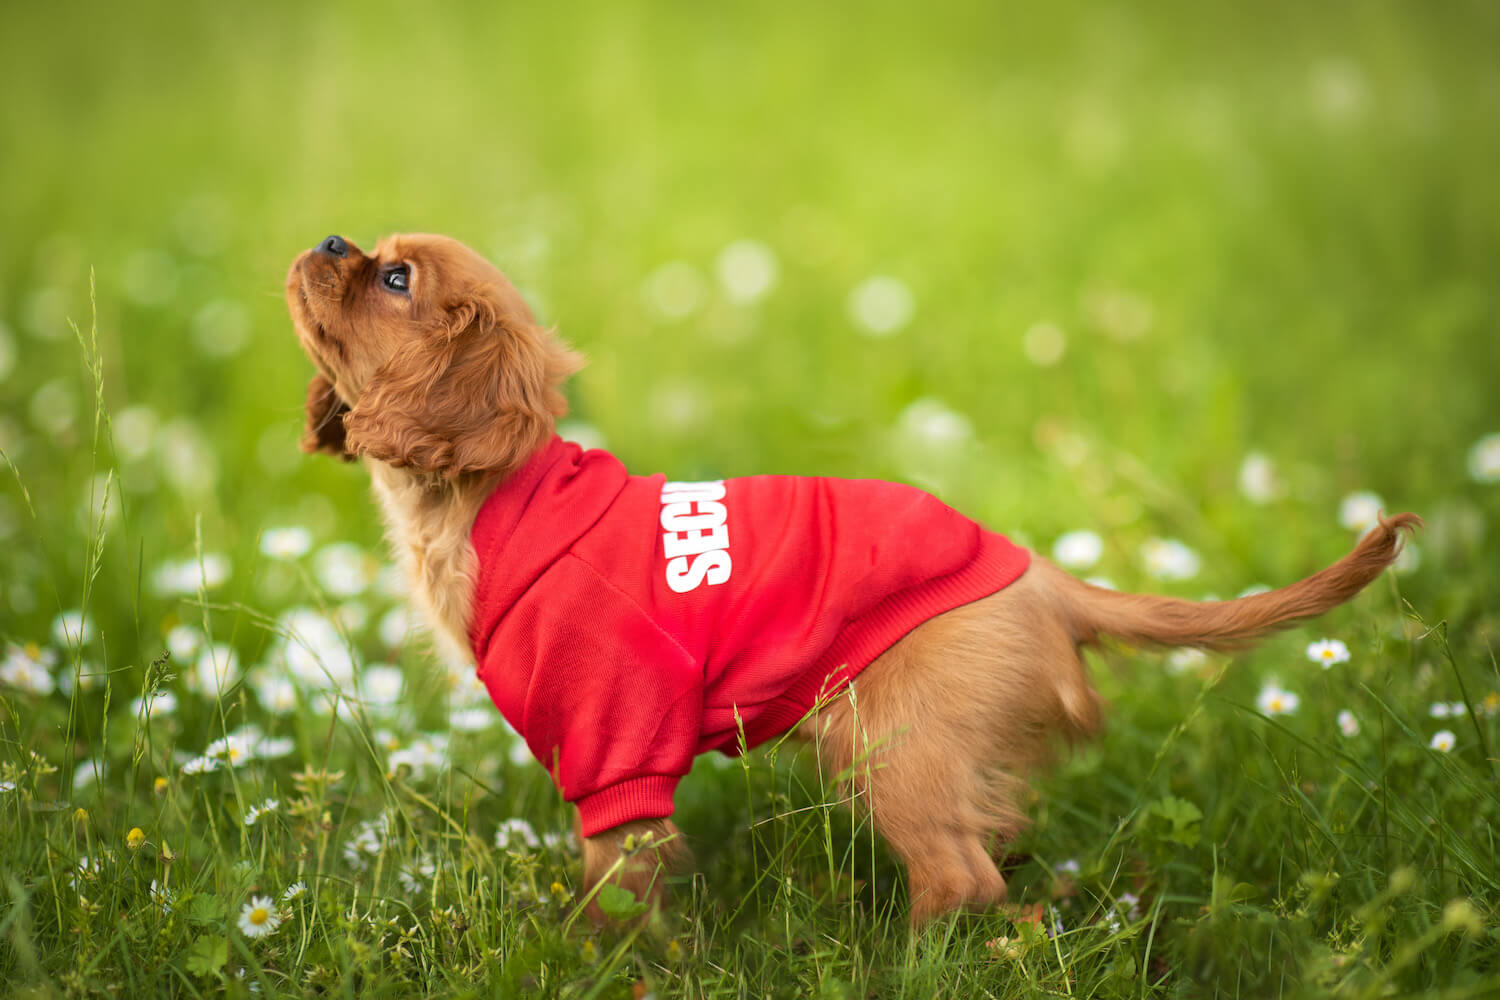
(433, 370)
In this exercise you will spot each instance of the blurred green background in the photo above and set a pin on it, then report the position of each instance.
(1134, 245)
(1068, 265)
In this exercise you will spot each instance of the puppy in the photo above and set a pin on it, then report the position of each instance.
(624, 624)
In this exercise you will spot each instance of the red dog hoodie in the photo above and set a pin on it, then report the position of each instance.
(624, 624)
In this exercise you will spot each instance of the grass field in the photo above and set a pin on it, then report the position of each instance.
(1209, 282)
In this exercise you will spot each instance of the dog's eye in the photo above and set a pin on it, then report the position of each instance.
(396, 279)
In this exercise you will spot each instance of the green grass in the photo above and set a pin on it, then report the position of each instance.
(1271, 229)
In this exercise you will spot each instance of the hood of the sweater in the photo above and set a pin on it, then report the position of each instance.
(531, 519)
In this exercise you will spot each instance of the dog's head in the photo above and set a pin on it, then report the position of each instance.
(427, 357)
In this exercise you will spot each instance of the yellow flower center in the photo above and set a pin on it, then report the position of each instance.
(234, 753)
(1277, 703)
(259, 915)
(1327, 654)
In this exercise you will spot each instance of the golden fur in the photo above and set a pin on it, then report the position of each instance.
(446, 387)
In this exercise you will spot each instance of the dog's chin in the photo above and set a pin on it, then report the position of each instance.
(311, 333)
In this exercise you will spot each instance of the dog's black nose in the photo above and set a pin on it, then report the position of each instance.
(334, 245)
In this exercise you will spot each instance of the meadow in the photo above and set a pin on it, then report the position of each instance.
(1178, 294)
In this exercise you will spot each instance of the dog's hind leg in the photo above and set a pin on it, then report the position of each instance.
(943, 729)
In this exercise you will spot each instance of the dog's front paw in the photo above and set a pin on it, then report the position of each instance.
(624, 868)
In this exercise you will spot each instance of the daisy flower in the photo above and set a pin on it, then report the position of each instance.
(342, 569)
(1484, 459)
(1360, 511)
(1258, 480)
(1443, 740)
(200, 765)
(254, 813)
(294, 891)
(70, 629)
(1274, 700)
(29, 668)
(1328, 652)
(1180, 661)
(1078, 550)
(285, 543)
(747, 270)
(516, 832)
(1447, 709)
(275, 693)
(1348, 724)
(881, 305)
(259, 917)
(471, 720)
(1169, 559)
(162, 703)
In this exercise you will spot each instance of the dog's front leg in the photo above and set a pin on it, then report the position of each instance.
(635, 856)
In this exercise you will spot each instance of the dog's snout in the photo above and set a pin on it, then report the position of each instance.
(334, 245)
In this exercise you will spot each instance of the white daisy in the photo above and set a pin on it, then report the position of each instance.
(183, 641)
(183, 578)
(1258, 478)
(1484, 459)
(28, 668)
(286, 543)
(1328, 652)
(276, 694)
(932, 426)
(425, 754)
(368, 839)
(471, 720)
(255, 812)
(239, 747)
(215, 672)
(881, 305)
(1181, 661)
(516, 832)
(1348, 724)
(200, 765)
(69, 629)
(90, 772)
(162, 703)
(274, 748)
(315, 653)
(1078, 550)
(1360, 511)
(1043, 344)
(396, 625)
(294, 891)
(259, 917)
(382, 687)
(747, 271)
(1443, 740)
(1275, 700)
(1169, 559)
(673, 291)
(343, 569)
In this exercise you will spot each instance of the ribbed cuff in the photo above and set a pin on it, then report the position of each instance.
(649, 797)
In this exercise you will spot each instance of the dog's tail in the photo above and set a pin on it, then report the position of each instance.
(1142, 619)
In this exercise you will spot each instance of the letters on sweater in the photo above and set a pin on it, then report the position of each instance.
(695, 535)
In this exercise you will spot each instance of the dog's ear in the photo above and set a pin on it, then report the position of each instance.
(324, 430)
(479, 392)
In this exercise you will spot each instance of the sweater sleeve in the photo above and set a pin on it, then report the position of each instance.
(607, 701)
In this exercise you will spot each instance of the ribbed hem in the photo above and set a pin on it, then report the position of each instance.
(997, 565)
(649, 797)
